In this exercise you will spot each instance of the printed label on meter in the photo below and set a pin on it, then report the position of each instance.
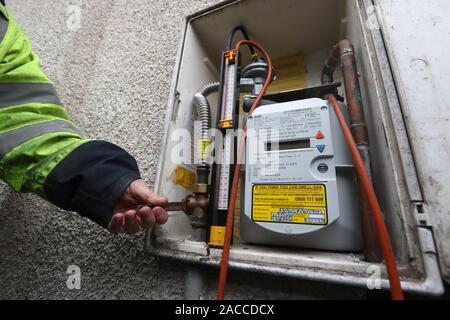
(290, 203)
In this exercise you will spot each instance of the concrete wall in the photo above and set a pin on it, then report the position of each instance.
(113, 74)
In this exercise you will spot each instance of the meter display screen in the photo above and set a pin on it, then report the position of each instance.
(288, 145)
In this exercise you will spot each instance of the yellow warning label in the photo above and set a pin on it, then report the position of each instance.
(217, 236)
(291, 74)
(290, 203)
(183, 177)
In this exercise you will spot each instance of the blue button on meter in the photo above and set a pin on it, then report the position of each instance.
(321, 148)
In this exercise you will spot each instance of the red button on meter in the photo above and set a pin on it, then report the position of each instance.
(320, 135)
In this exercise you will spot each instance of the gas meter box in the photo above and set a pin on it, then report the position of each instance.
(298, 214)
(299, 181)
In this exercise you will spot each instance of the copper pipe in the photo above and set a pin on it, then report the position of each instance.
(344, 53)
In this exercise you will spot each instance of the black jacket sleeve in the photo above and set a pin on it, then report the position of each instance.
(91, 179)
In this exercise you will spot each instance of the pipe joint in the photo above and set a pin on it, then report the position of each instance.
(358, 124)
(196, 206)
(347, 51)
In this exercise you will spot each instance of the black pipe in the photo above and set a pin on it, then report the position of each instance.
(231, 36)
(202, 174)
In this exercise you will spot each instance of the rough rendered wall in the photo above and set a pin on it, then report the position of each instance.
(113, 75)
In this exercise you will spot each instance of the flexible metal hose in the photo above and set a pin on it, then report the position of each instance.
(203, 109)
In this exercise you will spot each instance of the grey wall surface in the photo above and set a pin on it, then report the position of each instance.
(113, 75)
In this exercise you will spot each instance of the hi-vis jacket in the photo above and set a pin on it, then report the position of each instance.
(41, 150)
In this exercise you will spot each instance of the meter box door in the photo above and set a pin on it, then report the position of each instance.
(300, 182)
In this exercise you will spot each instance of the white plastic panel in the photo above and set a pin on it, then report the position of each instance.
(417, 35)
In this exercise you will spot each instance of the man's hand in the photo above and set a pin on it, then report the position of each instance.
(127, 220)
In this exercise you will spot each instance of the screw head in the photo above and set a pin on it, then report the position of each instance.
(322, 168)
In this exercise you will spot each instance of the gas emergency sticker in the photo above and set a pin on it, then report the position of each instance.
(290, 203)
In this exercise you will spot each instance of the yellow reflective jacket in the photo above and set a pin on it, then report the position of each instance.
(41, 150)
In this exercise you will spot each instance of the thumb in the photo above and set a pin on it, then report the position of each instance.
(142, 193)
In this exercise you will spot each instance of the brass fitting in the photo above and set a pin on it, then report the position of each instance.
(230, 55)
(200, 188)
(196, 206)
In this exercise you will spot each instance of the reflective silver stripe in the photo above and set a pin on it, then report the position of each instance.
(14, 138)
(3, 26)
(13, 94)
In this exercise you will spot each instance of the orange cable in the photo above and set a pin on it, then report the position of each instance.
(237, 169)
(385, 243)
(383, 236)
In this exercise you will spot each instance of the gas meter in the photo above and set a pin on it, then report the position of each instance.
(299, 183)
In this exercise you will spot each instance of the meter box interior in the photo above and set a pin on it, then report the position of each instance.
(299, 36)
